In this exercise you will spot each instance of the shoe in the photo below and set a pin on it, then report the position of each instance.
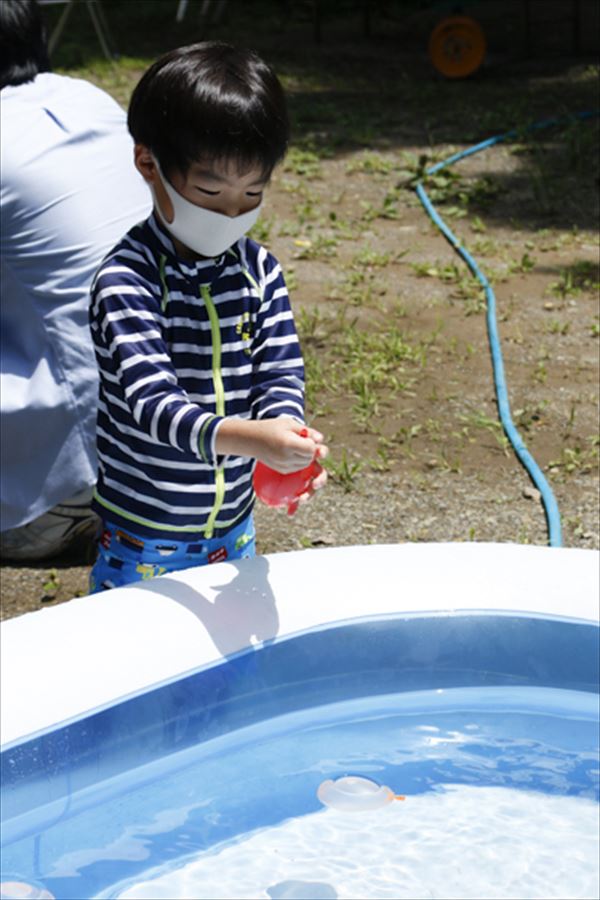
(51, 534)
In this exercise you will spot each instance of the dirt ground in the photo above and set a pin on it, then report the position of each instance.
(393, 326)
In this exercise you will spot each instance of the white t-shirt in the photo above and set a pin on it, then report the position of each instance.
(69, 192)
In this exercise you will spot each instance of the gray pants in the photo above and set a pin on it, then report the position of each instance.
(70, 523)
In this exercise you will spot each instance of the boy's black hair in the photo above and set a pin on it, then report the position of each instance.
(23, 50)
(210, 101)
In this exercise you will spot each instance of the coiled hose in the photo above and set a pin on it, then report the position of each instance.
(523, 454)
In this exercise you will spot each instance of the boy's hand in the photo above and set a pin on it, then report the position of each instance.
(287, 446)
(320, 452)
(315, 485)
(282, 444)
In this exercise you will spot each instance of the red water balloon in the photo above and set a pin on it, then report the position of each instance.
(276, 489)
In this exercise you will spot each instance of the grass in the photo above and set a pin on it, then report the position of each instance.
(319, 246)
(580, 277)
(371, 164)
(578, 459)
(51, 586)
(343, 470)
(479, 419)
(521, 266)
(304, 163)
(370, 367)
(465, 286)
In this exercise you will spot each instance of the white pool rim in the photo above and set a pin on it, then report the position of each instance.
(63, 662)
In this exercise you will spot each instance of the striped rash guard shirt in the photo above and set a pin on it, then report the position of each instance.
(179, 345)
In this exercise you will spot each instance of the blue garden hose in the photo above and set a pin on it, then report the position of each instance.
(536, 474)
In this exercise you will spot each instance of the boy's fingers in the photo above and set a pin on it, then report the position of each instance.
(315, 485)
(307, 449)
(306, 432)
(319, 481)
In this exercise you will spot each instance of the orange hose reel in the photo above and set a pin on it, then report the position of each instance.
(457, 46)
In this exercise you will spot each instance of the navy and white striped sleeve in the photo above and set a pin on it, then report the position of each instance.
(278, 368)
(135, 365)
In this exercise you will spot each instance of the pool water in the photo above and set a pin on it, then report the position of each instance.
(206, 785)
(501, 788)
(458, 841)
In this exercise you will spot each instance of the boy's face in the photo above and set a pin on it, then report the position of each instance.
(222, 187)
(218, 185)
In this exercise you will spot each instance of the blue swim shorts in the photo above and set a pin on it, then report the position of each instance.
(125, 557)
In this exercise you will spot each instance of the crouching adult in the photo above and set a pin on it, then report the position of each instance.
(69, 191)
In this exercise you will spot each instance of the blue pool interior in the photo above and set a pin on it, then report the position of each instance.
(414, 701)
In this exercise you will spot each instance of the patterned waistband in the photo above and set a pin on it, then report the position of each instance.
(126, 544)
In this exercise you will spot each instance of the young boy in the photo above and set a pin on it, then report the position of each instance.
(200, 368)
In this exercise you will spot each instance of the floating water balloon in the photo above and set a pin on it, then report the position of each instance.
(24, 890)
(276, 489)
(353, 793)
(301, 890)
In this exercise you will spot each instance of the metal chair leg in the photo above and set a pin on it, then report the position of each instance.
(60, 27)
(102, 30)
(181, 10)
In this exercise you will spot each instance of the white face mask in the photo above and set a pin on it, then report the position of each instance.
(205, 231)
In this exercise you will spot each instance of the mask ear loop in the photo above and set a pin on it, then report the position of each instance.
(164, 181)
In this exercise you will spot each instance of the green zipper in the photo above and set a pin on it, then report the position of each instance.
(163, 280)
(219, 402)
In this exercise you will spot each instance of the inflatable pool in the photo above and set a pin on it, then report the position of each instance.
(181, 737)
